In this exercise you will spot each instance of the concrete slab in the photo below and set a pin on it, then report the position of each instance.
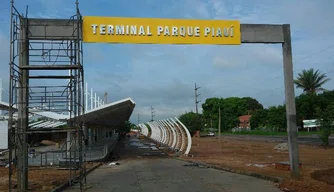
(161, 173)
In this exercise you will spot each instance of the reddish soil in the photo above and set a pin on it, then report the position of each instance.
(40, 179)
(260, 157)
(324, 175)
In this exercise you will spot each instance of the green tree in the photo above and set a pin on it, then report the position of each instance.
(311, 81)
(276, 118)
(192, 121)
(326, 118)
(259, 118)
(305, 107)
(231, 108)
(252, 104)
(125, 127)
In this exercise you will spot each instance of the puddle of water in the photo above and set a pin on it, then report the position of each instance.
(137, 144)
(256, 165)
(153, 154)
(154, 148)
(196, 165)
(144, 147)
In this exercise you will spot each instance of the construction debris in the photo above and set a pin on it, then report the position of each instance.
(281, 147)
(114, 163)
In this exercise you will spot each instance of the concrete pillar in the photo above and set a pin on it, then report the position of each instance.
(1, 90)
(68, 142)
(23, 99)
(290, 103)
(86, 98)
(89, 136)
(85, 136)
(95, 135)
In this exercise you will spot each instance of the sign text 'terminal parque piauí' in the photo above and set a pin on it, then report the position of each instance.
(160, 31)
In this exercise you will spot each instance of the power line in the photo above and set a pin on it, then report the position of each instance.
(322, 50)
(301, 68)
(303, 58)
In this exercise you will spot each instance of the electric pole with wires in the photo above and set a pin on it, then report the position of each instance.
(196, 97)
(152, 113)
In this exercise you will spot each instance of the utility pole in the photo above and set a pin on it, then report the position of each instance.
(105, 97)
(219, 124)
(196, 97)
(138, 118)
(152, 113)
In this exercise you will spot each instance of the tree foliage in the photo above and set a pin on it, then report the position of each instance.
(192, 121)
(231, 108)
(311, 81)
(326, 118)
(259, 118)
(277, 118)
(125, 127)
(273, 118)
(309, 105)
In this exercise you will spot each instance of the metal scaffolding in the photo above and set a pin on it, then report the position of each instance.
(46, 74)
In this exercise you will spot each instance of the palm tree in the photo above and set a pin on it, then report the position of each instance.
(311, 81)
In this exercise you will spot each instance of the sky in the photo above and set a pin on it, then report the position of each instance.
(164, 76)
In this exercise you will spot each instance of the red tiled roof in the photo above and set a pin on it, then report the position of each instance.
(244, 118)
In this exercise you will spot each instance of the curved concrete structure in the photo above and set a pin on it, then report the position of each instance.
(169, 132)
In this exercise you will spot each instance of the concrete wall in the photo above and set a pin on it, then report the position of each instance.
(3, 134)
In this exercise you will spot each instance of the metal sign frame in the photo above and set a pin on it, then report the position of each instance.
(62, 29)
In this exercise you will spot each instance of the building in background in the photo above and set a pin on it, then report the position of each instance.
(244, 121)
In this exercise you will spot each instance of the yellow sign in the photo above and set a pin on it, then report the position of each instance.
(160, 31)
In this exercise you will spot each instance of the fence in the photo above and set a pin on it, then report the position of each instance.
(93, 153)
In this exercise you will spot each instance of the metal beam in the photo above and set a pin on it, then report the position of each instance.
(49, 67)
(50, 131)
(51, 77)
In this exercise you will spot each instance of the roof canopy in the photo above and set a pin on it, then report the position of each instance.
(108, 115)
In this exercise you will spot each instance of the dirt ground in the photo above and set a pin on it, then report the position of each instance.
(40, 179)
(260, 157)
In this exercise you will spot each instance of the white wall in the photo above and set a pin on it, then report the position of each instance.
(3, 134)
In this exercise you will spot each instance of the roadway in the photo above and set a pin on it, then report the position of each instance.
(309, 140)
(144, 169)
